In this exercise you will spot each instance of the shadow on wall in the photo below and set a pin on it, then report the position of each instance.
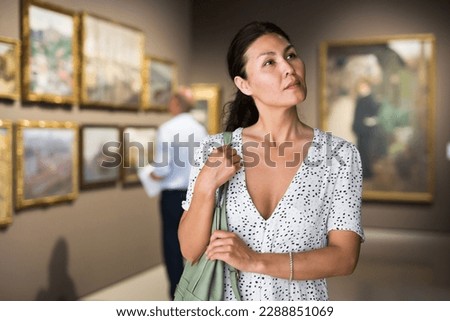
(60, 284)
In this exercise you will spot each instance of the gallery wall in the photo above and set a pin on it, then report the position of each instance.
(68, 250)
(308, 24)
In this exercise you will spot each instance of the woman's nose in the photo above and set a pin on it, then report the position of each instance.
(288, 69)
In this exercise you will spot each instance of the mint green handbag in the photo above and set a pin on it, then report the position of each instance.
(205, 280)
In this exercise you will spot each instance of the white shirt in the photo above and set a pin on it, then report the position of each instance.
(324, 195)
(176, 143)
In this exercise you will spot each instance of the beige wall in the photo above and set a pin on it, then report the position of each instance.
(108, 233)
(308, 23)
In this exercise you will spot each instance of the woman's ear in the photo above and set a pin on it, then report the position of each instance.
(243, 85)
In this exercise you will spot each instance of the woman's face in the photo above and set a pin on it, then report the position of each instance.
(275, 74)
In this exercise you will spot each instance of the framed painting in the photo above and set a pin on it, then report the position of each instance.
(112, 59)
(138, 145)
(47, 162)
(9, 68)
(160, 82)
(49, 53)
(6, 217)
(207, 105)
(100, 156)
(379, 94)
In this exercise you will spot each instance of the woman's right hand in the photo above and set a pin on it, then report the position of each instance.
(220, 166)
(195, 224)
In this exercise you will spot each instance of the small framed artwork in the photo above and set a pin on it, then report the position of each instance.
(9, 68)
(49, 53)
(207, 106)
(112, 56)
(100, 156)
(379, 93)
(160, 82)
(6, 169)
(138, 145)
(47, 162)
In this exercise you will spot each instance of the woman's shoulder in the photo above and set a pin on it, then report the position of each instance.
(330, 143)
(328, 137)
(217, 139)
(212, 141)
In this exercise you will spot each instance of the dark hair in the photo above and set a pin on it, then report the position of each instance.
(242, 112)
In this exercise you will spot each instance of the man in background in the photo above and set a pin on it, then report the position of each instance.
(176, 142)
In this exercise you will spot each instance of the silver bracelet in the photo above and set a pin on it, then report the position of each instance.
(291, 266)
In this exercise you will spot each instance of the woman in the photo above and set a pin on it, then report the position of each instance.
(293, 209)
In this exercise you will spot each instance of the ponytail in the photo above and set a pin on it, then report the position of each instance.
(240, 112)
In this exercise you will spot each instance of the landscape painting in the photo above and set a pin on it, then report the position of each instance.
(47, 167)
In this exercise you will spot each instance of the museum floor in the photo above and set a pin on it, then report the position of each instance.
(394, 265)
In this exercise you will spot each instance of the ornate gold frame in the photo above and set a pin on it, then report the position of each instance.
(130, 176)
(21, 201)
(16, 52)
(148, 102)
(85, 100)
(85, 184)
(334, 51)
(27, 93)
(6, 217)
(211, 93)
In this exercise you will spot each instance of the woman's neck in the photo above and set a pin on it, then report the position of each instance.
(281, 125)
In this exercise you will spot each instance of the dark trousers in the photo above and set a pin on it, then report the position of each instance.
(171, 212)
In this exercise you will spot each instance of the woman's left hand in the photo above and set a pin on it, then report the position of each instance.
(228, 247)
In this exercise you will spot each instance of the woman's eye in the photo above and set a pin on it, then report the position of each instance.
(292, 55)
(269, 62)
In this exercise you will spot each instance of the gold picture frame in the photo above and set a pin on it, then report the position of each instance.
(100, 155)
(379, 93)
(138, 147)
(6, 165)
(50, 61)
(207, 105)
(160, 81)
(112, 61)
(9, 68)
(47, 162)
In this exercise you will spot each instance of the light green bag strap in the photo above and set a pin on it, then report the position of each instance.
(222, 196)
(227, 137)
(234, 274)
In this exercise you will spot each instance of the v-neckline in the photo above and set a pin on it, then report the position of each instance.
(286, 192)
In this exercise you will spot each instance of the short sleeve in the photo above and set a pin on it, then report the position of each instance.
(200, 157)
(345, 212)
